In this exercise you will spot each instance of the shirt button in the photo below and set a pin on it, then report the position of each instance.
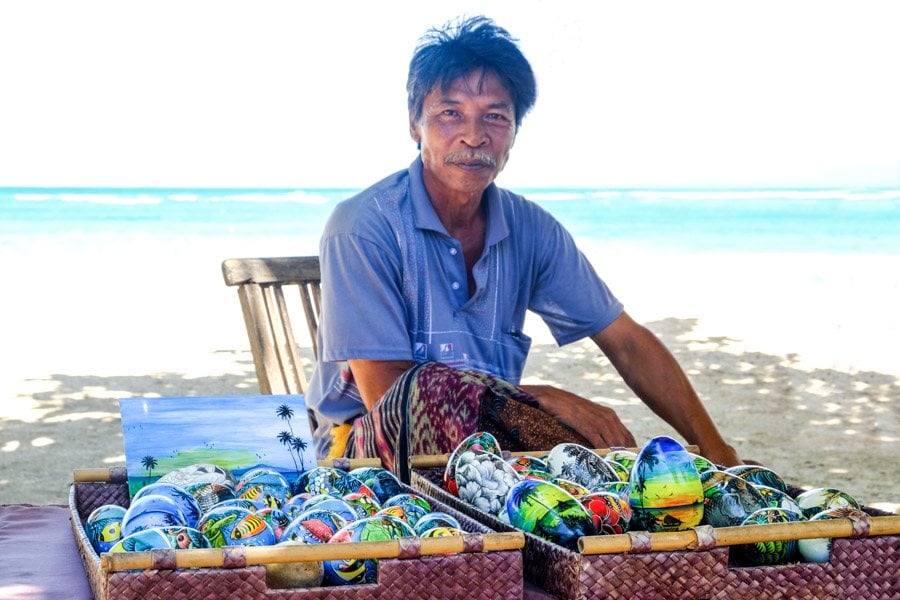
(455, 285)
(452, 251)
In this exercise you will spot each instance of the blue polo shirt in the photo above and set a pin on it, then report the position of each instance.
(394, 287)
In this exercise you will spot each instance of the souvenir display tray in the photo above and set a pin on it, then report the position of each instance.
(695, 564)
(481, 564)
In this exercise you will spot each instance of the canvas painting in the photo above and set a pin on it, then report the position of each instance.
(237, 433)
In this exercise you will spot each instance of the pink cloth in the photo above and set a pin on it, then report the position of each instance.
(38, 556)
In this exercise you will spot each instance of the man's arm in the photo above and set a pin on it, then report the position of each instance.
(375, 377)
(654, 375)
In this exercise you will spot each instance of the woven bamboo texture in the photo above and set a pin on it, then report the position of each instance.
(860, 568)
(487, 575)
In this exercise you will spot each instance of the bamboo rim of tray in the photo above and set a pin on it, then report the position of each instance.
(263, 555)
(431, 461)
(105, 474)
(745, 534)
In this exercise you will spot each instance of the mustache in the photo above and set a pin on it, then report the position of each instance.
(470, 156)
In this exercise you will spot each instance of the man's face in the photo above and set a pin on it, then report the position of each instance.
(465, 133)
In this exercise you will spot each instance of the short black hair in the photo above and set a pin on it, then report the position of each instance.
(444, 54)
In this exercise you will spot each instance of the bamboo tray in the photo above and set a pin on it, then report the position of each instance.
(694, 564)
(481, 564)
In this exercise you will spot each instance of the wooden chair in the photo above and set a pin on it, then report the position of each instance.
(262, 284)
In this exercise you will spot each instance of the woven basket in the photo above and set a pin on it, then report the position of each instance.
(482, 564)
(865, 567)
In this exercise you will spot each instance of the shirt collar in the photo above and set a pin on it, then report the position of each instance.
(426, 217)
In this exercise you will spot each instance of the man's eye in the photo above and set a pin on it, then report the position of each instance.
(450, 112)
(496, 117)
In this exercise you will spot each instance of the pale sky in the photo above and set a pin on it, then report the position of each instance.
(303, 94)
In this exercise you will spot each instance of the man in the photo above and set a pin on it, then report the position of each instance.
(436, 263)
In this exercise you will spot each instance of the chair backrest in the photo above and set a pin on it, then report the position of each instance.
(262, 284)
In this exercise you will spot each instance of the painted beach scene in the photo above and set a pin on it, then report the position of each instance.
(237, 433)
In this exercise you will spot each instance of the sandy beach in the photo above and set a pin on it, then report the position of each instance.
(794, 354)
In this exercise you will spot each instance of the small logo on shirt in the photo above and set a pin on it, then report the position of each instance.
(420, 352)
(446, 351)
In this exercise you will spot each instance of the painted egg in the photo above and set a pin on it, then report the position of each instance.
(162, 538)
(624, 458)
(759, 475)
(408, 513)
(609, 512)
(570, 486)
(435, 519)
(335, 505)
(579, 464)
(238, 503)
(328, 480)
(364, 505)
(778, 499)
(436, 532)
(265, 485)
(622, 489)
(530, 466)
(303, 574)
(816, 500)
(403, 499)
(483, 480)
(314, 526)
(277, 519)
(702, 463)
(177, 494)
(199, 473)
(381, 481)
(208, 494)
(549, 512)
(104, 526)
(819, 549)
(355, 571)
(728, 499)
(232, 526)
(621, 472)
(150, 512)
(481, 441)
(666, 493)
(768, 553)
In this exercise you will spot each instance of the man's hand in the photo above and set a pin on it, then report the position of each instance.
(599, 424)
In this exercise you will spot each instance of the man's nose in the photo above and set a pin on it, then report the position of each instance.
(474, 134)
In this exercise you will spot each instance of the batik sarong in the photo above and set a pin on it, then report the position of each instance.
(433, 407)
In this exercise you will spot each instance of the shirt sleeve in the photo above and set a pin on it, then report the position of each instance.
(570, 296)
(363, 312)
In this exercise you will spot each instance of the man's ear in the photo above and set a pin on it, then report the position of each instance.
(414, 129)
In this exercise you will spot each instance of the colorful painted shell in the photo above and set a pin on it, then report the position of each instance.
(816, 500)
(403, 499)
(666, 493)
(435, 519)
(232, 526)
(364, 505)
(331, 481)
(611, 515)
(480, 440)
(381, 481)
(549, 512)
(104, 526)
(579, 464)
(624, 458)
(703, 464)
(484, 480)
(768, 553)
(162, 538)
(530, 466)
(778, 499)
(150, 512)
(573, 488)
(728, 499)
(314, 526)
(265, 485)
(819, 549)
(208, 494)
(759, 475)
(177, 494)
(277, 519)
(436, 532)
(335, 505)
(356, 571)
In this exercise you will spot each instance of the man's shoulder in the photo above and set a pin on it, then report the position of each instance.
(374, 203)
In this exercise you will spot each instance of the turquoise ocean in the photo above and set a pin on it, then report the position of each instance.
(768, 220)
